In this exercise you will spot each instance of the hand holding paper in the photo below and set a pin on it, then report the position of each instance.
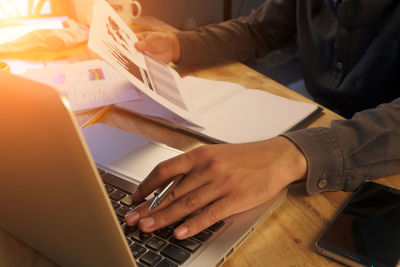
(218, 111)
(162, 45)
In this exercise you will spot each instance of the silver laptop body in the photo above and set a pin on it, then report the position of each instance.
(53, 197)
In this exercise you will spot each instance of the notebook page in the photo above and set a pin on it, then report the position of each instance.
(254, 115)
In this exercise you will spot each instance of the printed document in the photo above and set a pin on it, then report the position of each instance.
(87, 84)
(215, 110)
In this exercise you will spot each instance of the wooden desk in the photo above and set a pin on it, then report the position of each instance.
(286, 238)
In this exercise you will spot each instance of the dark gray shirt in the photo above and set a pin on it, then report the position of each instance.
(351, 62)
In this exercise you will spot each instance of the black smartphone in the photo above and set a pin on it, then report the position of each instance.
(366, 232)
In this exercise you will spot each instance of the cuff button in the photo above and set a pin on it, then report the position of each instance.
(322, 183)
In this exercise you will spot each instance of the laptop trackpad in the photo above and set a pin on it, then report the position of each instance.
(142, 159)
(129, 154)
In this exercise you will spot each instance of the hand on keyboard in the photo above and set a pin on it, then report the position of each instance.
(158, 248)
(220, 180)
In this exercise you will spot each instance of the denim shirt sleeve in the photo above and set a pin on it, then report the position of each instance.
(351, 151)
(270, 26)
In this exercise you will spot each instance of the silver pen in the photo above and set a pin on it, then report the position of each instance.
(164, 193)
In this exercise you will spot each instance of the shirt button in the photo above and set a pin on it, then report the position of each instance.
(343, 31)
(322, 183)
(339, 65)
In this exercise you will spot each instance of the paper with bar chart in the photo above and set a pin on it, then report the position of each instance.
(114, 41)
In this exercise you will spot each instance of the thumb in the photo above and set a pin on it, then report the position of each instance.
(141, 46)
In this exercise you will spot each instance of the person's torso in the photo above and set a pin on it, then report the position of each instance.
(350, 56)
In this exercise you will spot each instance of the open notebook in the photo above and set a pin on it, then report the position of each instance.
(219, 111)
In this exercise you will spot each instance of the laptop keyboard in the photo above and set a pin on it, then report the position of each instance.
(158, 248)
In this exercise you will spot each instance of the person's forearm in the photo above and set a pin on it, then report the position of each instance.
(352, 151)
(271, 26)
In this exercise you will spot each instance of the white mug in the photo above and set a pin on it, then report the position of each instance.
(83, 10)
(126, 8)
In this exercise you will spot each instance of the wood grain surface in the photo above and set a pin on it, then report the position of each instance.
(286, 238)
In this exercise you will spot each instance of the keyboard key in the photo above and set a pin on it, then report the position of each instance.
(189, 244)
(140, 236)
(129, 241)
(139, 264)
(175, 253)
(101, 172)
(150, 258)
(215, 227)
(118, 182)
(176, 224)
(109, 188)
(164, 233)
(115, 205)
(166, 263)
(129, 230)
(127, 201)
(137, 250)
(121, 211)
(203, 236)
(117, 195)
(156, 243)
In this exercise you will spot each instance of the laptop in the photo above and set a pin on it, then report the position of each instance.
(64, 191)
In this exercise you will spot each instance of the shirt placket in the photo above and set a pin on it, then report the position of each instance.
(343, 42)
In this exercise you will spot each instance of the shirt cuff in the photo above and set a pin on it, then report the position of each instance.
(324, 158)
(189, 53)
